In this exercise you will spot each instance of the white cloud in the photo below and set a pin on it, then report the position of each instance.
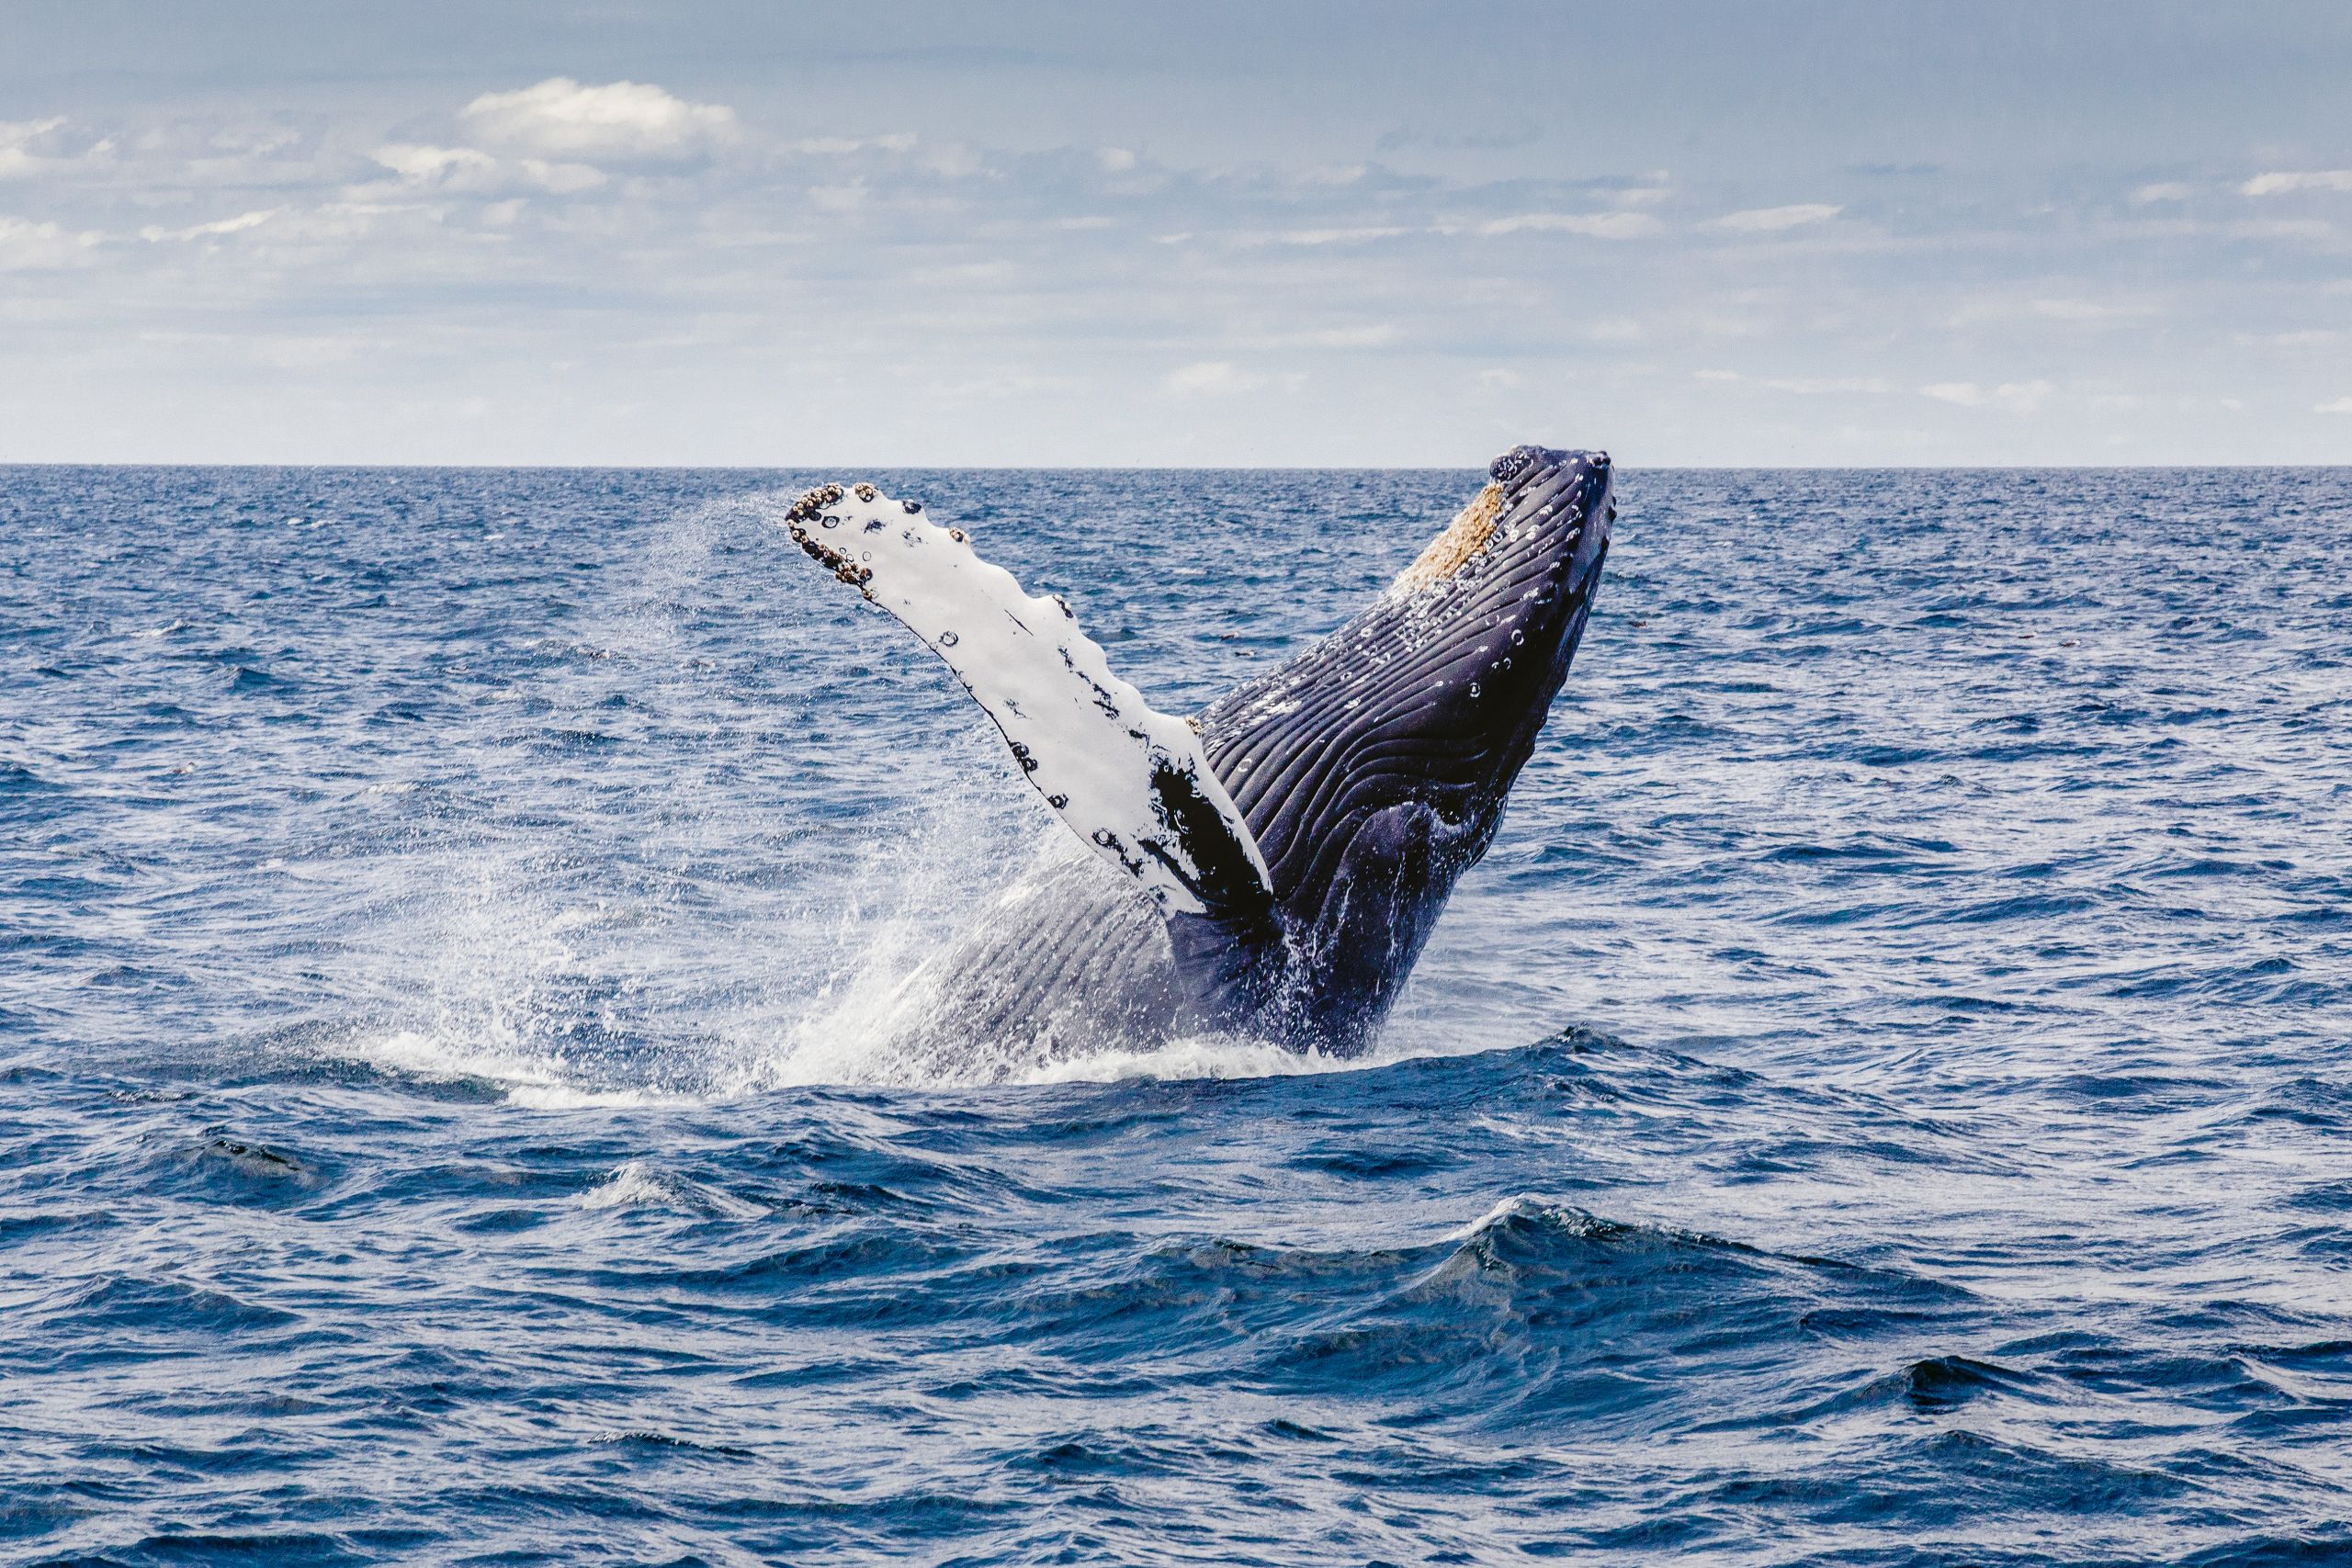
(238, 224)
(304, 352)
(468, 169)
(954, 160)
(2163, 190)
(1802, 386)
(2308, 179)
(837, 146)
(276, 350)
(1599, 225)
(1336, 236)
(16, 137)
(1775, 220)
(2336, 405)
(2089, 311)
(1378, 336)
(1221, 378)
(1211, 378)
(2279, 228)
(562, 118)
(26, 246)
(433, 166)
(563, 179)
(2019, 397)
(1816, 386)
(1114, 160)
(1371, 335)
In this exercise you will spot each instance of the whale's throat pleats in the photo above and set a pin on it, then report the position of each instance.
(1133, 782)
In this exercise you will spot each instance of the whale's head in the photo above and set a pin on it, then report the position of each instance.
(1373, 768)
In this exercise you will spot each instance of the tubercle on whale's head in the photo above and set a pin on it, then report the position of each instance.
(1462, 538)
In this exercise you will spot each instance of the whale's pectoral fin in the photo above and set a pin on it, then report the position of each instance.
(1132, 782)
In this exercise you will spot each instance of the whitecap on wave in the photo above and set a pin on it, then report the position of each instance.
(637, 1184)
(526, 1076)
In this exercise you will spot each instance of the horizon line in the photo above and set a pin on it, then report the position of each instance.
(7, 463)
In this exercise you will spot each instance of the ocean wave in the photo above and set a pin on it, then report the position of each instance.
(637, 1184)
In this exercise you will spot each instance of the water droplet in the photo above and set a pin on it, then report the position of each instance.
(1474, 688)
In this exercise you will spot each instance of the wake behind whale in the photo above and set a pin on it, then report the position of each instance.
(1276, 863)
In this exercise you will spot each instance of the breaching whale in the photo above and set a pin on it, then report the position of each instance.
(1281, 858)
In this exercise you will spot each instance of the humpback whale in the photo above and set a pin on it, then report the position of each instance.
(1278, 860)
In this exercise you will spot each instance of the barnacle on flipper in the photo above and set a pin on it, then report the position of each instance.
(838, 562)
(812, 503)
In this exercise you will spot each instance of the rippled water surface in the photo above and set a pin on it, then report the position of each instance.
(1883, 1098)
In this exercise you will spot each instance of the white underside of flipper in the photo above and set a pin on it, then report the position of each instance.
(1133, 782)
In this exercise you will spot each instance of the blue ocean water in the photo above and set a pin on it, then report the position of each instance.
(1883, 1099)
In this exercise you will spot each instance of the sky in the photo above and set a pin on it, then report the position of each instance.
(1293, 234)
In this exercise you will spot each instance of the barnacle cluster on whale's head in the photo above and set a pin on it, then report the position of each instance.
(1536, 503)
(1462, 538)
